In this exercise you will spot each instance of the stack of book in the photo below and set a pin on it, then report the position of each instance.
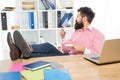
(28, 5)
(9, 8)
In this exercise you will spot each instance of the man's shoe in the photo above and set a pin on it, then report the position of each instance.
(25, 49)
(14, 51)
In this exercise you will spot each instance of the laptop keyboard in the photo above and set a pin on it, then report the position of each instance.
(95, 58)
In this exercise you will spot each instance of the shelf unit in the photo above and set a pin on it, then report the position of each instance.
(45, 21)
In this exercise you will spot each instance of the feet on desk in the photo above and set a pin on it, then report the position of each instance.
(25, 49)
(14, 51)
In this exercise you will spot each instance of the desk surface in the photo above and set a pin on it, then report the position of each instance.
(79, 68)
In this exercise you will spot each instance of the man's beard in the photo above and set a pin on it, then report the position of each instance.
(78, 25)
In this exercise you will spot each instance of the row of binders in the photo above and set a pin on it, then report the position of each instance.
(42, 71)
(62, 22)
(4, 20)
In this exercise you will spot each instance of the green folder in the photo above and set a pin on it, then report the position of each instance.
(34, 75)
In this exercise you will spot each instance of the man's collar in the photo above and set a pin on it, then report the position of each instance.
(90, 27)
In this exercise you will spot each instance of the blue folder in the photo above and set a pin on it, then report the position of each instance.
(51, 4)
(56, 74)
(65, 19)
(45, 3)
(10, 76)
(31, 20)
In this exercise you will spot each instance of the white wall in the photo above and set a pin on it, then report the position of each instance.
(4, 3)
(1, 55)
(107, 15)
(7, 3)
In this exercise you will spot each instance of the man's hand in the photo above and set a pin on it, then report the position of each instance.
(62, 34)
(79, 48)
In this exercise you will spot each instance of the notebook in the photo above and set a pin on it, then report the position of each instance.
(110, 53)
(36, 65)
(10, 76)
(56, 74)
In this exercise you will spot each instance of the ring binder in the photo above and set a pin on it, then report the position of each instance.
(4, 20)
(45, 4)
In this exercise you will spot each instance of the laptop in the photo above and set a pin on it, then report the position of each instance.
(110, 53)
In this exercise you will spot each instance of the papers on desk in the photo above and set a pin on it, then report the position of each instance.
(10, 76)
(40, 70)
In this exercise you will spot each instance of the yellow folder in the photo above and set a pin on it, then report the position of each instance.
(34, 75)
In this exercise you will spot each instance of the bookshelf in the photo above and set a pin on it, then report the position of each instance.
(36, 19)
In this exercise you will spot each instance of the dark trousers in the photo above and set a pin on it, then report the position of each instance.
(45, 49)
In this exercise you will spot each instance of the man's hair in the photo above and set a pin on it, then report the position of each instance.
(86, 11)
